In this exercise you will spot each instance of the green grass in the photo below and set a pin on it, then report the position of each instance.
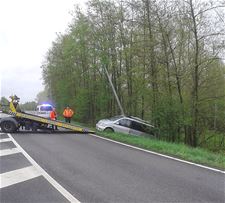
(196, 155)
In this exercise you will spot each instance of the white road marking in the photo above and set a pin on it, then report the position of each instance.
(5, 140)
(162, 155)
(6, 152)
(18, 176)
(51, 180)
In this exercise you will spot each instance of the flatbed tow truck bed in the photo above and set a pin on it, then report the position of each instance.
(32, 122)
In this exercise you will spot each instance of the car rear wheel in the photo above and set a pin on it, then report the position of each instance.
(8, 126)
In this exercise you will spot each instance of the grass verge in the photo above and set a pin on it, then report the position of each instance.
(196, 155)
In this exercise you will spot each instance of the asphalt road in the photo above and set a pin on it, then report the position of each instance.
(96, 170)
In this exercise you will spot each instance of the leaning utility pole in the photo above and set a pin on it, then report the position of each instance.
(114, 91)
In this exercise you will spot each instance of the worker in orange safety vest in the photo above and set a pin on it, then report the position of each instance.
(68, 114)
(53, 116)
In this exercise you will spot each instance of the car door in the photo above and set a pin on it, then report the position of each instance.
(136, 128)
(122, 125)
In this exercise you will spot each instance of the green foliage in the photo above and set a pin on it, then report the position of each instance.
(42, 96)
(28, 106)
(4, 101)
(165, 68)
(4, 104)
(213, 141)
(82, 105)
(169, 115)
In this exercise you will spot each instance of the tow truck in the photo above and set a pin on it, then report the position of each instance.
(16, 119)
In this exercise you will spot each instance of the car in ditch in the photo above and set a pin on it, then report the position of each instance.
(127, 125)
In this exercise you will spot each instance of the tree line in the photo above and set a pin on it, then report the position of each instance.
(165, 59)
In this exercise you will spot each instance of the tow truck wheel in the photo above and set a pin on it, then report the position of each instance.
(8, 126)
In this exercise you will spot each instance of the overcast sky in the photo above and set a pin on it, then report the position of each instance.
(27, 29)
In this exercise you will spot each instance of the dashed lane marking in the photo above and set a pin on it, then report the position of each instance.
(5, 140)
(6, 152)
(18, 176)
(42, 172)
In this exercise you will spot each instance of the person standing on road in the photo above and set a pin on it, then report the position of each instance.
(68, 114)
(53, 116)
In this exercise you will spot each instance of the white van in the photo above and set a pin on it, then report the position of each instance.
(44, 107)
(42, 110)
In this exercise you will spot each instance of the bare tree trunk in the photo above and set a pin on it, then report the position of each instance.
(195, 90)
(152, 64)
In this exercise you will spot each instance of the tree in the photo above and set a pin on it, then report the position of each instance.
(42, 96)
(4, 101)
(28, 106)
(164, 59)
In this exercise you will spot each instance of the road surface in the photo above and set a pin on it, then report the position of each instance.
(96, 170)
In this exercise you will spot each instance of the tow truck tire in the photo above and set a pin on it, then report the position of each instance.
(8, 126)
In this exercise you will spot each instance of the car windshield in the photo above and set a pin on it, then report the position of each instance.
(46, 108)
(115, 118)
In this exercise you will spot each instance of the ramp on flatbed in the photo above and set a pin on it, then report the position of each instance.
(50, 122)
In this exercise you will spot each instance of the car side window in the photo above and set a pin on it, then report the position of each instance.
(125, 122)
(137, 126)
(142, 127)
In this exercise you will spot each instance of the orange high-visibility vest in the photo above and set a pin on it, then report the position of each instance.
(68, 113)
(53, 115)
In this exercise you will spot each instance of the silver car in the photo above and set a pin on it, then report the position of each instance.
(125, 124)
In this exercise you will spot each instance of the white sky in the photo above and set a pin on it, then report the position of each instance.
(27, 29)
